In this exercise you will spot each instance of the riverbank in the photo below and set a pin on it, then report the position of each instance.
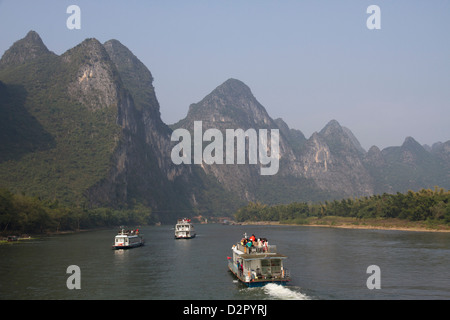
(11, 239)
(15, 239)
(355, 223)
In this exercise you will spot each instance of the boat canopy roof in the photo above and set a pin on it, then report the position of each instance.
(256, 249)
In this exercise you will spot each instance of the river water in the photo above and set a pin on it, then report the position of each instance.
(325, 264)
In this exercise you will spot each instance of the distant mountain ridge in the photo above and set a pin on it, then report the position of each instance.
(84, 127)
(106, 146)
(25, 50)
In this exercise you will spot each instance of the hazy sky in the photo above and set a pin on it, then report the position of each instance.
(307, 62)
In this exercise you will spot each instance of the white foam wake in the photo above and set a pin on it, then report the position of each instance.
(283, 293)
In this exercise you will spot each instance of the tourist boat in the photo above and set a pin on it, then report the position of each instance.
(256, 263)
(184, 229)
(128, 239)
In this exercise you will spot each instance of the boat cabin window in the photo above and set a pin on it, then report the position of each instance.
(120, 240)
(272, 266)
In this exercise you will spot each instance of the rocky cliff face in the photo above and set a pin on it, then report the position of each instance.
(330, 160)
(95, 83)
(25, 50)
(409, 166)
(142, 169)
(331, 163)
(85, 128)
(342, 159)
(138, 80)
(233, 106)
(98, 103)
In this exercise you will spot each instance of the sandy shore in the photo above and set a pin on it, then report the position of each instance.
(347, 223)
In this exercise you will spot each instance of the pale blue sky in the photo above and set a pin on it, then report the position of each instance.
(306, 61)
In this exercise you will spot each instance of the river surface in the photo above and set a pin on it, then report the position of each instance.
(324, 263)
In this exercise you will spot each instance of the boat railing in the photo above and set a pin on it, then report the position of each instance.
(185, 220)
(282, 274)
(250, 274)
(184, 227)
(255, 249)
(233, 267)
(129, 232)
(286, 273)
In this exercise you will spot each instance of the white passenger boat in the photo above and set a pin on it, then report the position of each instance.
(128, 239)
(256, 263)
(184, 229)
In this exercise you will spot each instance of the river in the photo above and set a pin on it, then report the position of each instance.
(324, 263)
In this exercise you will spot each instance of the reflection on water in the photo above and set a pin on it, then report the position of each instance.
(324, 263)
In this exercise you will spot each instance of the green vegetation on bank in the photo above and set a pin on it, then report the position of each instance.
(52, 145)
(23, 214)
(432, 206)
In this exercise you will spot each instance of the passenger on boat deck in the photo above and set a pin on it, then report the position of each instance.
(253, 238)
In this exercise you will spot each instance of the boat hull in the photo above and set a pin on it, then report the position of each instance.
(185, 237)
(184, 229)
(126, 240)
(118, 247)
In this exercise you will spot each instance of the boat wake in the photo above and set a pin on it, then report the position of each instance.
(276, 291)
